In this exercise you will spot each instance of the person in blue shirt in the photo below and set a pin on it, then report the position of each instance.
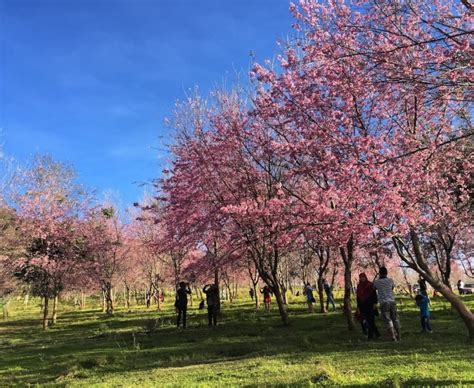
(422, 302)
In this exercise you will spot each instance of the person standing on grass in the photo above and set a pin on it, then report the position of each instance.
(366, 301)
(388, 306)
(422, 302)
(251, 293)
(308, 291)
(461, 287)
(329, 295)
(181, 303)
(266, 297)
(211, 292)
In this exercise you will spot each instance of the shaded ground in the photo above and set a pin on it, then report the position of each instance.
(247, 348)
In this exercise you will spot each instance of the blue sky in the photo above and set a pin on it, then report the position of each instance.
(90, 82)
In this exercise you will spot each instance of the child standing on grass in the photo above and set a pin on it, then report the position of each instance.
(423, 303)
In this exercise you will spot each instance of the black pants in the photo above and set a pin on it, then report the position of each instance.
(425, 324)
(212, 315)
(181, 312)
(372, 330)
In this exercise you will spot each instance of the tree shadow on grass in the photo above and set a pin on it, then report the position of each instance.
(80, 348)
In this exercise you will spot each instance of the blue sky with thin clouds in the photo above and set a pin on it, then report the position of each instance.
(91, 81)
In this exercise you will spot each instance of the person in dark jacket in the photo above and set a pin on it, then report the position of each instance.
(366, 301)
(181, 303)
(211, 292)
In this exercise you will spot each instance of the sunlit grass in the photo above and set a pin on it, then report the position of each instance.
(144, 348)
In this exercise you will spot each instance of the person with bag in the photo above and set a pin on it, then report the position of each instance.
(366, 301)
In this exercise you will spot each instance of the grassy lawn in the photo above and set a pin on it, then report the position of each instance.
(143, 348)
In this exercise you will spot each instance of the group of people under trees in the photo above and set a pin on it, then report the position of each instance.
(181, 303)
(370, 297)
(381, 292)
(267, 296)
(308, 292)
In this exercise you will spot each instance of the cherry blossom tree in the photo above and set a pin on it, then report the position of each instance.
(363, 88)
(108, 245)
(50, 207)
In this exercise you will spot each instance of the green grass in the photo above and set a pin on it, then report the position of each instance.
(248, 348)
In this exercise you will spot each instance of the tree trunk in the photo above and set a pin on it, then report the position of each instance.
(347, 255)
(148, 295)
(55, 310)
(109, 303)
(347, 297)
(216, 282)
(6, 311)
(255, 294)
(281, 304)
(421, 266)
(466, 315)
(198, 292)
(321, 293)
(158, 299)
(283, 294)
(45, 312)
(229, 292)
(27, 297)
(236, 289)
(127, 297)
(409, 287)
(83, 300)
(104, 303)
